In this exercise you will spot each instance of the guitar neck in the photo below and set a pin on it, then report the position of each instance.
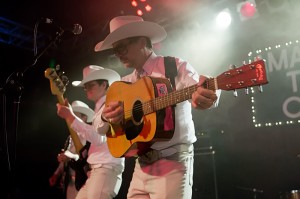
(175, 97)
(58, 88)
(248, 75)
(77, 143)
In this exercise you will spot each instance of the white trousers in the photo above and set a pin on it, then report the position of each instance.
(102, 183)
(167, 178)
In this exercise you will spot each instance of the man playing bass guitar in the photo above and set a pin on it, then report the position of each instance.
(71, 172)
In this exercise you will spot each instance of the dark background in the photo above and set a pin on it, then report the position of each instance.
(234, 159)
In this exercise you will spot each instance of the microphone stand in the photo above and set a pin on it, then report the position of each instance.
(13, 83)
(14, 88)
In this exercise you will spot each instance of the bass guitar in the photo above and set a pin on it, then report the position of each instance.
(58, 88)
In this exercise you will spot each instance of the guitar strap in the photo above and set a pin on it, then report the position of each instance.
(170, 70)
(166, 117)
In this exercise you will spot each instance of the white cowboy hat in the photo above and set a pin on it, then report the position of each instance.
(123, 27)
(81, 107)
(94, 72)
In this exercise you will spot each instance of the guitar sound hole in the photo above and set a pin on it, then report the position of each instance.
(134, 127)
(137, 112)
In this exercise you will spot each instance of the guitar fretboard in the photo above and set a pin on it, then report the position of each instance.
(58, 88)
(175, 97)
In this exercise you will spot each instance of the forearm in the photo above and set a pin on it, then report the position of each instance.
(87, 131)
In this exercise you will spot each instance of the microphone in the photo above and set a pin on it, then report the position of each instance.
(76, 29)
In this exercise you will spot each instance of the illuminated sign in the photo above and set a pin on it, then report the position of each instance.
(280, 102)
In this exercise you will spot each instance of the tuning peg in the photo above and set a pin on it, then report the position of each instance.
(247, 91)
(57, 67)
(232, 66)
(235, 94)
(65, 80)
(260, 88)
(257, 58)
(60, 73)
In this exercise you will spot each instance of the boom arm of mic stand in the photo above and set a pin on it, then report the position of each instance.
(58, 35)
(13, 84)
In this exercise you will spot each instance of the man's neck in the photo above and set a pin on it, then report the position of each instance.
(147, 55)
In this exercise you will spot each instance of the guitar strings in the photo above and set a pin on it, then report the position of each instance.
(169, 99)
(158, 103)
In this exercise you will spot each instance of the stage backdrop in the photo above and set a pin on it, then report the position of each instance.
(280, 103)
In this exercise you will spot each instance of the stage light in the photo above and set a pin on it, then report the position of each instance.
(223, 18)
(141, 6)
(134, 3)
(247, 10)
(139, 12)
(148, 8)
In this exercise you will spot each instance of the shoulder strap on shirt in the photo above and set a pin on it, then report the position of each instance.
(170, 69)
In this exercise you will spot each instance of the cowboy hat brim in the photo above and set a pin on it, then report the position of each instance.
(84, 110)
(155, 32)
(108, 74)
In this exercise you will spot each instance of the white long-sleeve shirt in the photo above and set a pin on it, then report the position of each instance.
(98, 153)
(187, 76)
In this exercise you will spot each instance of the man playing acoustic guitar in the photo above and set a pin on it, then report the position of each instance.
(164, 168)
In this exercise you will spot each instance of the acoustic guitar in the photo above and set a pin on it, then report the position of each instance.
(142, 101)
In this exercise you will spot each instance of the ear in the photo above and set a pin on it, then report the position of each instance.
(143, 41)
(84, 118)
(105, 84)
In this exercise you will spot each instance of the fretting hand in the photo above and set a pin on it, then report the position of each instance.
(203, 98)
(65, 111)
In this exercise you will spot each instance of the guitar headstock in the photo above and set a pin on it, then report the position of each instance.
(58, 82)
(248, 75)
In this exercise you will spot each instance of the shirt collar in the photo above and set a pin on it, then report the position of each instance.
(149, 64)
(99, 103)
